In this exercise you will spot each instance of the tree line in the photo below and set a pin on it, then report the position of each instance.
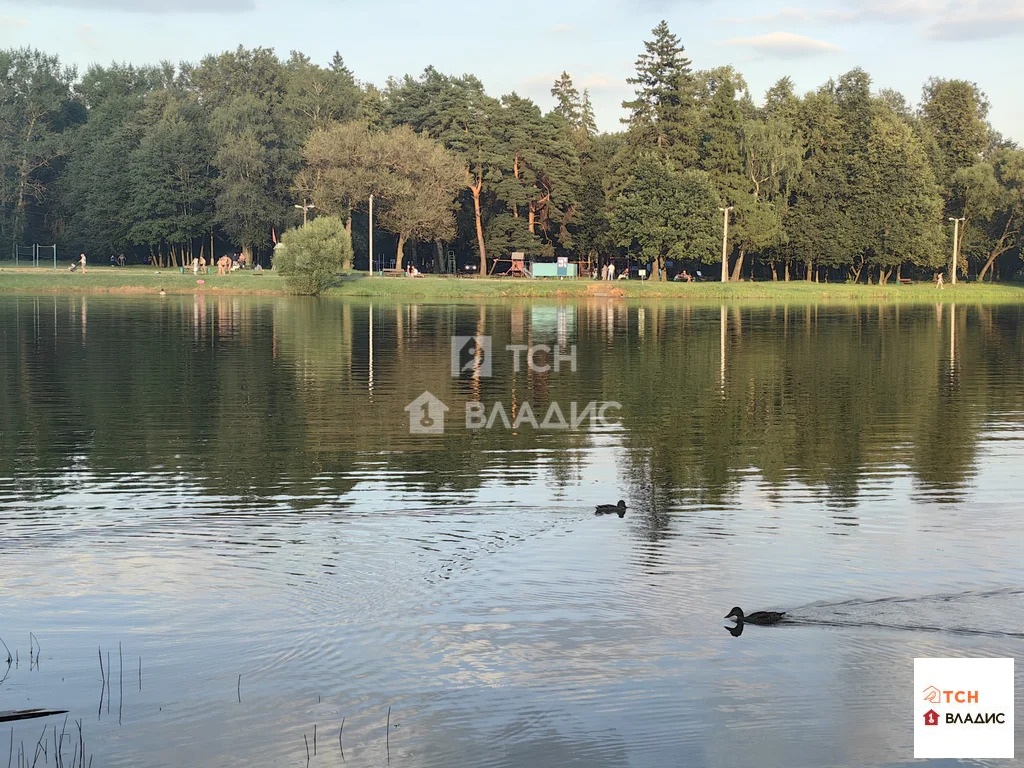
(842, 182)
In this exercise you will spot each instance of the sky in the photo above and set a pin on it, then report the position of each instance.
(523, 46)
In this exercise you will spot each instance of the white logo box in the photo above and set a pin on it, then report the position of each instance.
(965, 690)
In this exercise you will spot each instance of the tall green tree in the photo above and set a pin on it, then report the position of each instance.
(818, 225)
(568, 104)
(37, 117)
(256, 164)
(97, 185)
(421, 180)
(338, 171)
(315, 96)
(663, 213)
(903, 222)
(992, 194)
(457, 112)
(172, 190)
(539, 177)
(249, 159)
(954, 111)
(663, 112)
(722, 118)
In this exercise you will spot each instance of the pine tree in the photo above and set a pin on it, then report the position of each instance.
(588, 122)
(568, 104)
(663, 113)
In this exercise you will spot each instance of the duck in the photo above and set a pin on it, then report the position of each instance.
(757, 617)
(608, 509)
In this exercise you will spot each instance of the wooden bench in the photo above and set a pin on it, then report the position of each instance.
(393, 272)
(906, 281)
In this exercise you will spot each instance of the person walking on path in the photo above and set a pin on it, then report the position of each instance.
(940, 282)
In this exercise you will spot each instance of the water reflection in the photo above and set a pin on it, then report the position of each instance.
(227, 486)
(828, 408)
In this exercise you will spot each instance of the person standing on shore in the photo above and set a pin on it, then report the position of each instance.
(81, 262)
(611, 271)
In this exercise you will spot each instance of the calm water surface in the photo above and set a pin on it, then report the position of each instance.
(225, 487)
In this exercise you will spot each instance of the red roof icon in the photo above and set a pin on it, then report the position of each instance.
(931, 717)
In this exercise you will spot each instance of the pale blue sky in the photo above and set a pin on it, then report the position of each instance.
(522, 46)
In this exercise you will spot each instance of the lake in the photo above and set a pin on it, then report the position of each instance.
(221, 499)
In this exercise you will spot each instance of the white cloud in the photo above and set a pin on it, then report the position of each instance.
(948, 19)
(599, 81)
(596, 82)
(7, 22)
(783, 44)
(561, 29)
(978, 23)
(791, 14)
(936, 19)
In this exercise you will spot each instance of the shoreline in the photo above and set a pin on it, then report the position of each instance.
(144, 281)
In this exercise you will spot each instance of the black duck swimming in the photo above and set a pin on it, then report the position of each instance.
(612, 509)
(757, 617)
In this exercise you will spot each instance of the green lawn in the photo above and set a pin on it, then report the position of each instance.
(134, 280)
(148, 280)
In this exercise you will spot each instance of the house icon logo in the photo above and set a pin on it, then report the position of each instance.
(932, 695)
(472, 355)
(426, 415)
(931, 717)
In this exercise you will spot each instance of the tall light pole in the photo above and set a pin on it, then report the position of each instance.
(725, 243)
(371, 234)
(305, 208)
(956, 246)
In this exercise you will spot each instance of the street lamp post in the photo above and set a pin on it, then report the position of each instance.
(725, 243)
(371, 234)
(305, 208)
(956, 246)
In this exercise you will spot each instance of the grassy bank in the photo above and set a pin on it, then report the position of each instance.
(795, 291)
(136, 281)
(146, 280)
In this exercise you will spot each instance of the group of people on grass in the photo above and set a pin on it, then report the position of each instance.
(225, 264)
(651, 271)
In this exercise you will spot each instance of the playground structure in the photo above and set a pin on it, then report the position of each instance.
(560, 268)
(518, 268)
(34, 254)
